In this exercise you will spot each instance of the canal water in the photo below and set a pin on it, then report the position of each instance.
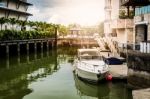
(49, 75)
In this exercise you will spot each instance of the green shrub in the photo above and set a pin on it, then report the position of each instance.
(20, 35)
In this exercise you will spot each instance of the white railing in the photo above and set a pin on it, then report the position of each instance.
(145, 47)
(100, 42)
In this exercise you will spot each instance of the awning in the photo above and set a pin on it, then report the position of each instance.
(135, 2)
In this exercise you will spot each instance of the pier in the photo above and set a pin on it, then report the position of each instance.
(26, 45)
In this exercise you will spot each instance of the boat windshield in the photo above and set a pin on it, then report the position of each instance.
(88, 55)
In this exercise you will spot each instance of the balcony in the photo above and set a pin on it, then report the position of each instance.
(15, 11)
(135, 2)
(122, 23)
(123, 14)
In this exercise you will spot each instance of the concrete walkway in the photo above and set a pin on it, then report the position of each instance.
(141, 94)
(117, 71)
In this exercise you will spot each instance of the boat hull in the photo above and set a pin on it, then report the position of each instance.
(90, 76)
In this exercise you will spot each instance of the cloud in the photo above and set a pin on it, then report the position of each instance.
(68, 11)
(54, 19)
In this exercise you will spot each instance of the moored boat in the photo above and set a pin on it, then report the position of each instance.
(90, 66)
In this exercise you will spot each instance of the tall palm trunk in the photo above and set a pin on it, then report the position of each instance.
(1, 26)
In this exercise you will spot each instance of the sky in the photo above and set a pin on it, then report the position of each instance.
(83, 12)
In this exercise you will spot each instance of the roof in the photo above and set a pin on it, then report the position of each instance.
(27, 3)
(23, 2)
(12, 10)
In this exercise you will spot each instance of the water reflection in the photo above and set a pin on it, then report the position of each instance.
(7, 61)
(104, 90)
(17, 75)
(86, 90)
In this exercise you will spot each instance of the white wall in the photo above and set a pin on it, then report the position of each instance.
(130, 35)
(13, 15)
(107, 28)
(23, 17)
(12, 5)
(115, 9)
(22, 8)
(121, 36)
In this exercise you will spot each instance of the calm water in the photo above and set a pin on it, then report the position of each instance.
(49, 75)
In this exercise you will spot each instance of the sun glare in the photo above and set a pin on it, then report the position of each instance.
(86, 14)
(83, 12)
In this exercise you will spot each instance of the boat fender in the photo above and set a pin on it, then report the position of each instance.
(109, 77)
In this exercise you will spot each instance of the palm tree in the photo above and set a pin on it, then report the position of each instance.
(31, 24)
(12, 21)
(22, 24)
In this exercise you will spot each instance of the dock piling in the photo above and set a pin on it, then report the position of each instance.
(18, 51)
(35, 50)
(41, 49)
(27, 45)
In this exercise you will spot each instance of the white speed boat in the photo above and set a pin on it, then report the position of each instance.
(89, 65)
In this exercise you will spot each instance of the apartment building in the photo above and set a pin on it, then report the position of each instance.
(14, 9)
(141, 34)
(139, 54)
(117, 23)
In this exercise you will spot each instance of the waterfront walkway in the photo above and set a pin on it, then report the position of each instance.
(117, 71)
(141, 94)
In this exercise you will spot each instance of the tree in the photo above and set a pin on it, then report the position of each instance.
(63, 30)
(12, 21)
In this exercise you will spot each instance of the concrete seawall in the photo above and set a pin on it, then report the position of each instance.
(139, 69)
(138, 79)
